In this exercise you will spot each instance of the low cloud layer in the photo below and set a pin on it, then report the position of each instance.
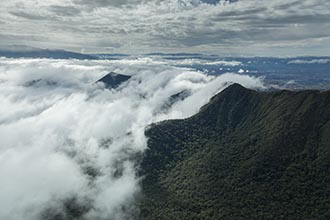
(283, 27)
(315, 61)
(67, 143)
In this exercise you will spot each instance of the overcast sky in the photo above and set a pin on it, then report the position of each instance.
(244, 27)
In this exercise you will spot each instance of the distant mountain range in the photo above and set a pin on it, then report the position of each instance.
(245, 155)
(21, 51)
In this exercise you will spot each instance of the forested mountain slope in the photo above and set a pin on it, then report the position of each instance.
(245, 155)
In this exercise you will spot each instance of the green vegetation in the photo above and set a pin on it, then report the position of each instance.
(245, 155)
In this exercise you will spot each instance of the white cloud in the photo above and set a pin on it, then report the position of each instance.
(203, 62)
(133, 26)
(72, 139)
(314, 61)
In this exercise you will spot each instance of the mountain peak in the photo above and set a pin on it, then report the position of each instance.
(235, 87)
(112, 80)
(235, 94)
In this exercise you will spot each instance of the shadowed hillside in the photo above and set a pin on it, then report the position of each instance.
(245, 155)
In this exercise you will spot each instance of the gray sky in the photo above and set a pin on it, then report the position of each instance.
(244, 27)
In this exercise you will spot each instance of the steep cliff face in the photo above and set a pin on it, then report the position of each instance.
(245, 155)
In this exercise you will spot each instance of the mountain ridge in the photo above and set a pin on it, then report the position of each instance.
(245, 155)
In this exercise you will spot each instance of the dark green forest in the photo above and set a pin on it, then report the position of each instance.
(246, 155)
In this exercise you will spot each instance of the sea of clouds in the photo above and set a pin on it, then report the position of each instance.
(68, 146)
